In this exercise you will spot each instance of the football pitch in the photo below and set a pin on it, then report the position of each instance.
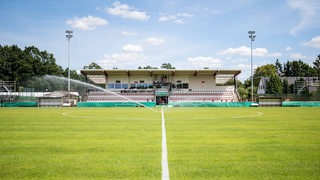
(126, 143)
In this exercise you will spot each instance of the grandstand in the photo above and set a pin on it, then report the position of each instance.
(162, 85)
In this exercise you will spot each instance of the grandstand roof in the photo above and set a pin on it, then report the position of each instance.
(158, 71)
(98, 75)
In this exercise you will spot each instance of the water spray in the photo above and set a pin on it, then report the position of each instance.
(98, 88)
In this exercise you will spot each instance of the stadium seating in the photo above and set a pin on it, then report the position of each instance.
(114, 96)
(204, 95)
(219, 94)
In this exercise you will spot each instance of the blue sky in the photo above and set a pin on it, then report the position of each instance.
(188, 34)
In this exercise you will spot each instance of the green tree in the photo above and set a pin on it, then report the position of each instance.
(316, 65)
(286, 88)
(19, 65)
(298, 69)
(274, 85)
(93, 65)
(9, 61)
(167, 66)
(263, 71)
(147, 67)
(279, 68)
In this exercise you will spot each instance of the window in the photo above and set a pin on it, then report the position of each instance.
(118, 81)
(110, 86)
(183, 86)
(125, 86)
(179, 81)
(118, 86)
(141, 81)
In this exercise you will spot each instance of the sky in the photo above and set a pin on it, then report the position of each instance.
(127, 34)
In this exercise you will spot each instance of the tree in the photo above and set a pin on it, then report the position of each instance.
(9, 61)
(262, 71)
(265, 70)
(316, 65)
(286, 88)
(279, 69)
(93, 65)
(167, 66)
(73, 74)
(298, 69)
(147, 67)
(274, 85)
(20, 65)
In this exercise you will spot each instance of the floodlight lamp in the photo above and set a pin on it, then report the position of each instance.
(69, 34)
(69, 31)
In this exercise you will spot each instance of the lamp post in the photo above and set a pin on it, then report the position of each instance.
(252, 38)
(69, 36)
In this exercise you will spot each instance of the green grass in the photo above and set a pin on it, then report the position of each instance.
(238, 143)
(106, 143)
(125, 143)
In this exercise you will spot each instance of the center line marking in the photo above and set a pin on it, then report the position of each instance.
(164, 161)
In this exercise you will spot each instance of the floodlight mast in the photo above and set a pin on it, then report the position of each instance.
(252, 38)
(69, 36)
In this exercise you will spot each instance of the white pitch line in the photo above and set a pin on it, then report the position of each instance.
(69, 115)
(164, 161)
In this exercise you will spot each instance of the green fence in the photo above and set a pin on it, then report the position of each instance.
(301, 104)
(174, 104)
(210, 104)
(19, 104)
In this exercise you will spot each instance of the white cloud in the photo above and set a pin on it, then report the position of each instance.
(243, 51)
(309, 11)
(122, 60)
(288, 48)
(132, 48)
(185, 15)
(177, 18)
(127, 12)
(314, 42)
(155, 41)
(165, 18)
(297, 56)
(130, 57)
(246, 51)
(202, 61)
(129, 33)
(86, 23)
(244, 66)
(178, 21)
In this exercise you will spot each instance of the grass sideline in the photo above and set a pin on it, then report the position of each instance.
(125, 143)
